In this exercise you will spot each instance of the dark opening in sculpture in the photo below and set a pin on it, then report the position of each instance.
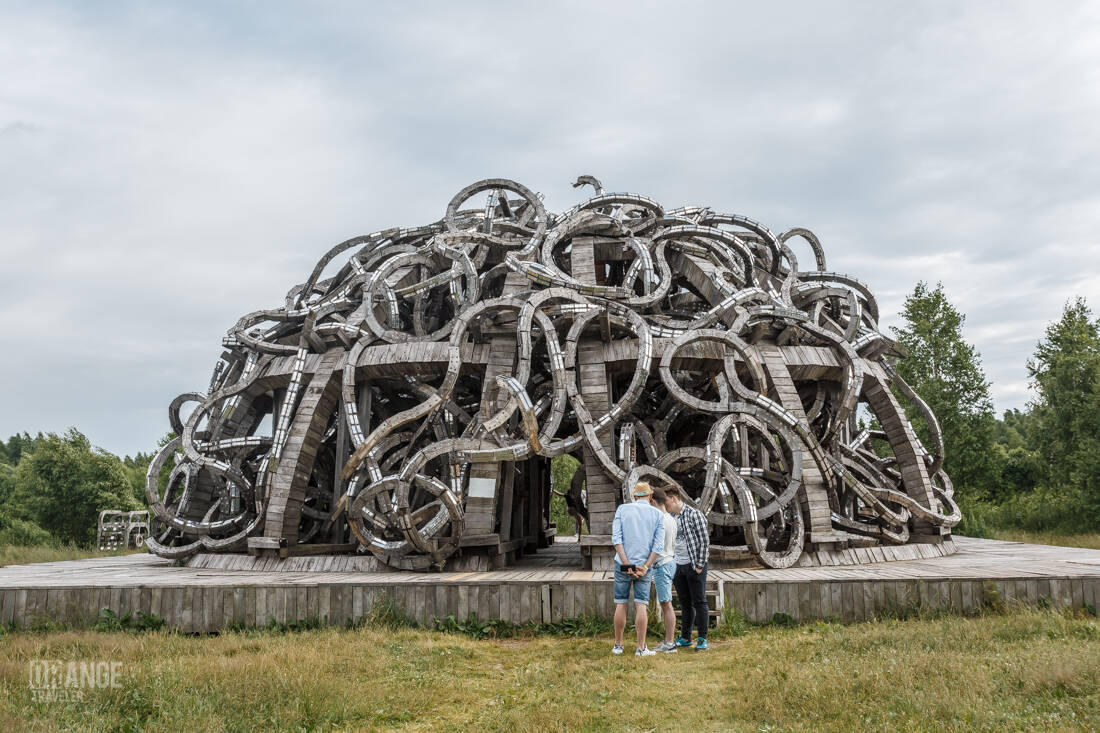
(416, 396)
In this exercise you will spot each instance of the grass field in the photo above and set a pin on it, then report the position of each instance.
(1090, 540)
(23, 554)
(1026, 670)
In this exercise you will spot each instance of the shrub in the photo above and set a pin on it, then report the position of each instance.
(977, 519)
(64, 484)
(23, 533)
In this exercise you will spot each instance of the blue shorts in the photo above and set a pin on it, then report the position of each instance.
(662, 580)
(623, 582)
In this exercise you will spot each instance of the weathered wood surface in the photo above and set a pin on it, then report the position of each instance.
(416, 395)
(815, 498)
(603, 492)
(549, 587)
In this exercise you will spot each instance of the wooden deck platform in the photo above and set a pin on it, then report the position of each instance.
(548, 586)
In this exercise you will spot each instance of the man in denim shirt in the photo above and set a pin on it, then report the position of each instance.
(638, 534)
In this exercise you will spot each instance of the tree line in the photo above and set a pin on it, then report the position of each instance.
(1035, 469)
(52, 487)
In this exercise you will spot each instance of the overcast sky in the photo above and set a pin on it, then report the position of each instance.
(166, 168)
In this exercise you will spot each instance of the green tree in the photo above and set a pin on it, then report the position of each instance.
(562, 469)
(1019, 465)
(22, 532)
(7, 481)
(1012, 430)
(1065, 374)
(1020, 471)
(63, 485)
(947, 373)
(17, 445)
(137, 466)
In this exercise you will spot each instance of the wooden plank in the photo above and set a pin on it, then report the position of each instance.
(962, 597)
(557, 602)
(338, 612)
(264, 615)
(836, 604)
(211, 609)
(251, 618)
(847, 601)
(1056, 593)
(525, 613)
(1092, 592)
(186, 608)
(156, 594)
(868, 590)
(589, 606)
(956, 595)
(463, 610)
(818, 605)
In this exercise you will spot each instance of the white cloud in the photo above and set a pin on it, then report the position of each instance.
(170, 167)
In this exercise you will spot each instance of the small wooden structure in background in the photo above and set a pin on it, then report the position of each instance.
(118, 529)
(408, 403)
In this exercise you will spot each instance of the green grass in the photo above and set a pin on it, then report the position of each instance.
(1090, 540)
(23, 554)
(1026, 670)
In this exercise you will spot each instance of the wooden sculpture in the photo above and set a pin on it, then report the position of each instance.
(409, 404)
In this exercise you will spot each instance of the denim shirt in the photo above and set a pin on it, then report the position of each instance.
(639, 527)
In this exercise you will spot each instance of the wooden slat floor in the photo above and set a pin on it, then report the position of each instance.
(549, 586)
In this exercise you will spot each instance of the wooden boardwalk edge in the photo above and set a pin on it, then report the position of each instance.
(197, 609)
(983, 574)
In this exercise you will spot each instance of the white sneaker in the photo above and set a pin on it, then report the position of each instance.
(645, 652)
(667, 647)
(617, 649)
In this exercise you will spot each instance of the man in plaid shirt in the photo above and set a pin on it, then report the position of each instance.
(692, 553)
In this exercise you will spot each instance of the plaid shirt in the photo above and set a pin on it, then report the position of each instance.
(692, 526)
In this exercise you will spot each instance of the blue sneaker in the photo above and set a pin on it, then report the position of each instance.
(700, 644)
(682, 642)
